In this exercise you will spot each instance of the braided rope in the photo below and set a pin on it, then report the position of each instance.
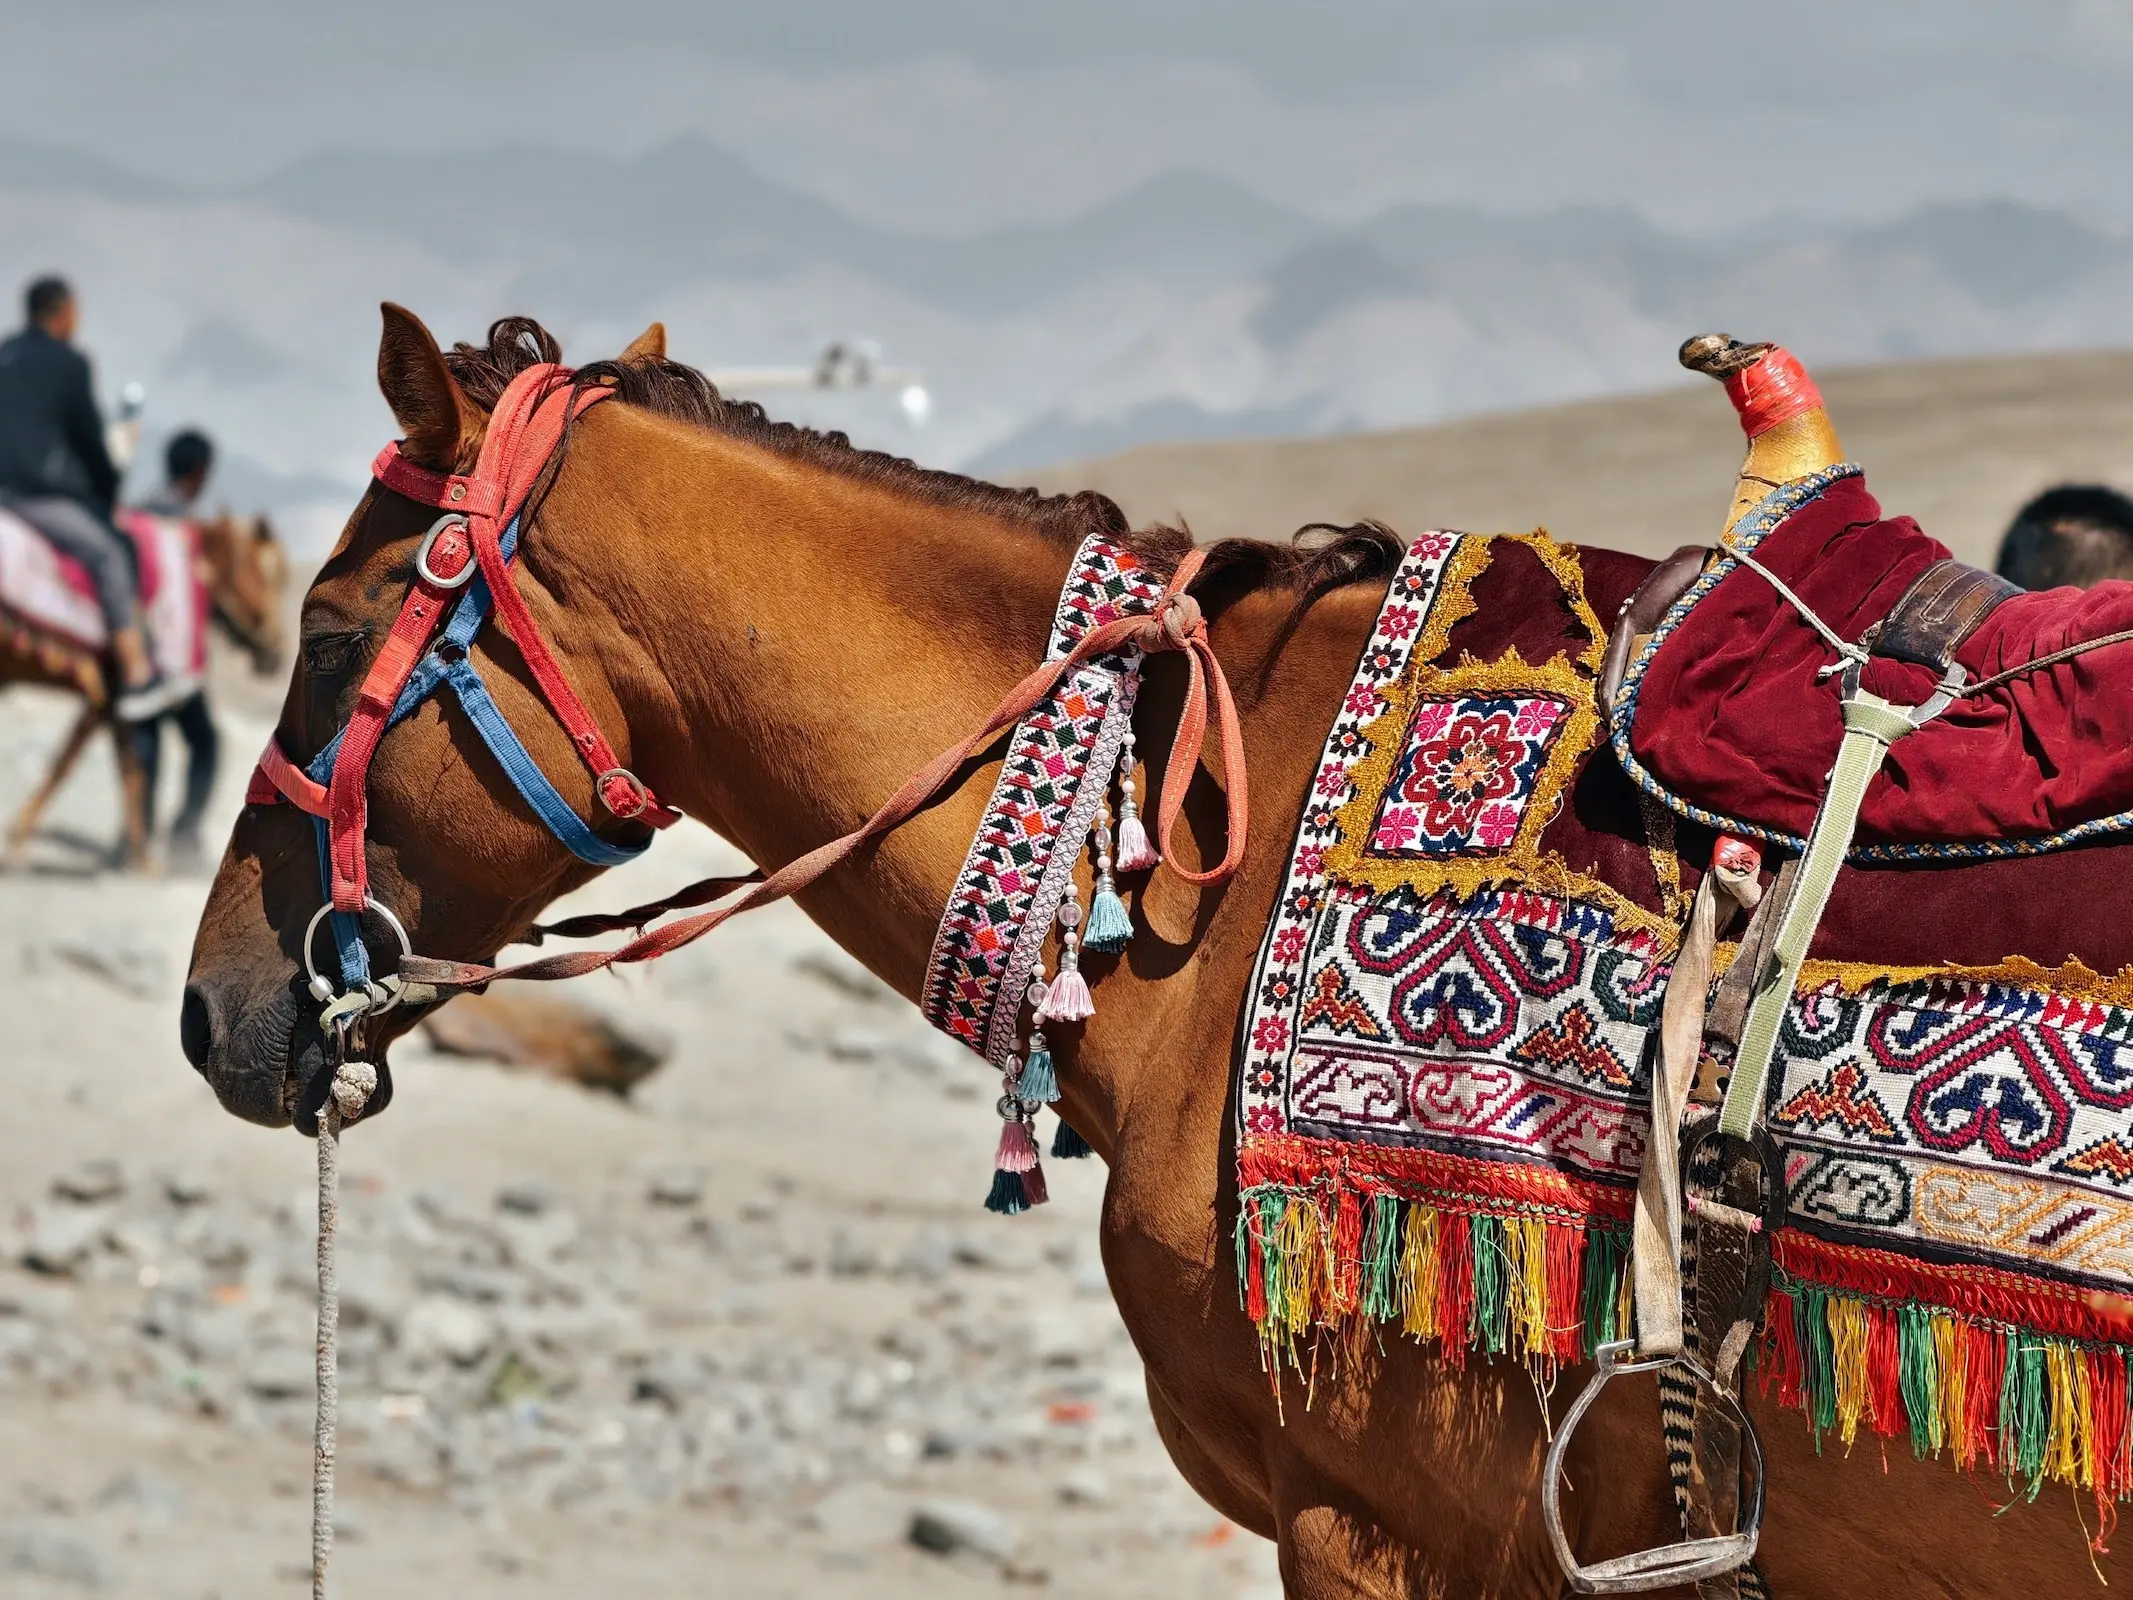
(353, 1083)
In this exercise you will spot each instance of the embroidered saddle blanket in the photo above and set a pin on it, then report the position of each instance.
(1722, 716)
(1444, 1079)
(48, 591)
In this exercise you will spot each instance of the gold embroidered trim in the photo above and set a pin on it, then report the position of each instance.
(2071, 981)
(1566, 676)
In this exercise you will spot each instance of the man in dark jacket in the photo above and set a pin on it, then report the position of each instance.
(57, 475)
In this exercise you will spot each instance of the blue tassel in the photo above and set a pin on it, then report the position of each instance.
(1067, 1145)
(1110, 929)
(1039, 1083)
(1009, 1198)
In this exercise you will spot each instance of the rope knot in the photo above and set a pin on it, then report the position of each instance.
(354, 1082)
(1173, 625)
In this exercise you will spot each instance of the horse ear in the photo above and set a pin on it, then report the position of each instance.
(648, 346)
(436, 417)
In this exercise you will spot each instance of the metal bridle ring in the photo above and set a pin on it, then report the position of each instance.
(426, 573)
(311, 933)
(638, 792)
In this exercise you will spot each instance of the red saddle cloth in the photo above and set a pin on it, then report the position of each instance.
(1727, 715)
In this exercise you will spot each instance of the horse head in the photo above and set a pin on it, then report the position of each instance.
(247, 580)
(462, 870)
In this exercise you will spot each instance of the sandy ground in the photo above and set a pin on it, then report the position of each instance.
(1957, 444)
(749, 1387)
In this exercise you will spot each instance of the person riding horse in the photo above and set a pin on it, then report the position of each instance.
(56, 473)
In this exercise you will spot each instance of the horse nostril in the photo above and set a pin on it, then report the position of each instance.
(196, 1027)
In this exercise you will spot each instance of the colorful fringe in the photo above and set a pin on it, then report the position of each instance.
(1540, 1289)
(1506, 1268)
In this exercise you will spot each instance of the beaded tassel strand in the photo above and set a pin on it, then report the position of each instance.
(1017, 1177)
(1135, 853)
(1110, 929)
(1068, 999)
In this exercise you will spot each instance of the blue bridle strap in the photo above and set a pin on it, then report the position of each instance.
(449, 664)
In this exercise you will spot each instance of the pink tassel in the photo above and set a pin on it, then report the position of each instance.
(1068, 999)
(1017, 1152)
(1033, 1189)
(1135, 853)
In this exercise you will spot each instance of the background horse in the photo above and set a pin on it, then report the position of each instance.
(775, 629)
(247, 575)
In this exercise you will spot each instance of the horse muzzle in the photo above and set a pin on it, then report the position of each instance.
(266, 1060)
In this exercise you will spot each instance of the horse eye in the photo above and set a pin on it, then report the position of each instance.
(329, 655)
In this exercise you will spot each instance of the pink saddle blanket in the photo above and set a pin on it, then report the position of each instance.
(1723, 717)
(48, 590)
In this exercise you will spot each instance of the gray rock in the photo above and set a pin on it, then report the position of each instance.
(46, 1548)
(279, 1372)
(852, 1255)
(151, 1500)
(61, 1237)
(121, 956)
(375, 1287)
(840, 972)
(441, 1326)
(928, 1256)
(861, 1514)
(90, 1182)
(970, 1439)
(441, 1206)
(1085, 1486)
(184, 1186)
(679, 1185)
(855, 1044)
(526, 1197)
(946, 1526)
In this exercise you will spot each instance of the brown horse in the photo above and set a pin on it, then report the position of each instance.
(247, 581)
(774, 629)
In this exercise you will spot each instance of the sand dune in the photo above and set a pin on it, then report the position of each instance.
(1957, 444)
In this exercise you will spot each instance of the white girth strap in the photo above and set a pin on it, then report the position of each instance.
(1871, 725)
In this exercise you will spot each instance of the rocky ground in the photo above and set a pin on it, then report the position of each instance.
(745, 1333)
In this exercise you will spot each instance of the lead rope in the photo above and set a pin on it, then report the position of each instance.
(353, 1083)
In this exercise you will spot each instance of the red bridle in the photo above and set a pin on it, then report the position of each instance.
(523, 434)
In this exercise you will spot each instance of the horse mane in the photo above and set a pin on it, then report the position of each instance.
(1320, 558)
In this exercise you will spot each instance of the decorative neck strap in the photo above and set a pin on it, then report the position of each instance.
(987, 968)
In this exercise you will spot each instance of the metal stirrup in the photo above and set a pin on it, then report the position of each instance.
(1687, 1561)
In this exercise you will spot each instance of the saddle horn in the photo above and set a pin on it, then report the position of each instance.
(1781, 412)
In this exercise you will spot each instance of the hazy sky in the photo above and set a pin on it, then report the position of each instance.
(946, 115)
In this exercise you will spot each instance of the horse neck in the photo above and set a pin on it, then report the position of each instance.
(787, 644)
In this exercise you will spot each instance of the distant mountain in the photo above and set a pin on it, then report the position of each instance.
(585, 228)
(37, 167)
(1424, 312)
(1189, 308)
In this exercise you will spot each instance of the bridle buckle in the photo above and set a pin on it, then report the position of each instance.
(637, 798)
(429, 574)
